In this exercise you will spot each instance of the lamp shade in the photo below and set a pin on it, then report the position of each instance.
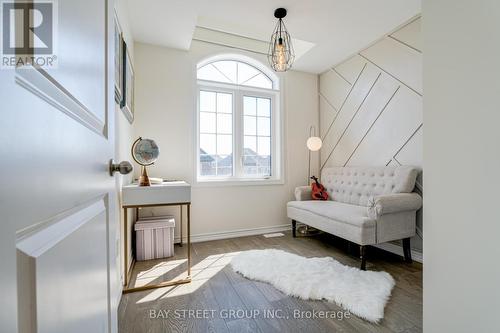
(280, 54)
(314, 143)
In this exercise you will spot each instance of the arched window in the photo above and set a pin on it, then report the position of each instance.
(238, 122)
(234, 72)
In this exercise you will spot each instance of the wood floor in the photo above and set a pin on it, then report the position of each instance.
(218, 290)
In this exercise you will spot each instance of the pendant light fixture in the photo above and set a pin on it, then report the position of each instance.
(280, 53)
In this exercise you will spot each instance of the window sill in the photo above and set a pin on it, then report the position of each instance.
(237, 182)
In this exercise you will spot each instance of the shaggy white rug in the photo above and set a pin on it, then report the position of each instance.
(363, 293)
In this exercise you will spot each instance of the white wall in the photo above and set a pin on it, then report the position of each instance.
(461, 159)
(123, 129)
(371, 107)
(165, 110)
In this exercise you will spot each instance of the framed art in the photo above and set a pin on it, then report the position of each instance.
(128, 85)
(118, 62)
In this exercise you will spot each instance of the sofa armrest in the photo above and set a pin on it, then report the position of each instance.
(303, 193)
(393, 203)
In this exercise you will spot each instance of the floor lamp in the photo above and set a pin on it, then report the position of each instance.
(314, 143)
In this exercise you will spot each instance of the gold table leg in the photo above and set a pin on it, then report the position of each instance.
(125, 247)
(180, 243)
(189, 238)
(126, 289)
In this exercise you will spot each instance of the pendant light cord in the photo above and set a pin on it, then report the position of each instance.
(280, 28)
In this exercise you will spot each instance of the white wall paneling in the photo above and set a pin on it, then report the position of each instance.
(351, 68)
(398, 59)
(400, 119)
(360, 91)
(377, 100)
(327, 114)
(410, 35)
(379, 122)
(334, 88)
(412, 152)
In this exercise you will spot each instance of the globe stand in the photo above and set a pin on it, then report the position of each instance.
(144, 178)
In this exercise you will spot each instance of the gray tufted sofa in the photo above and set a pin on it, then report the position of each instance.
(367, 205)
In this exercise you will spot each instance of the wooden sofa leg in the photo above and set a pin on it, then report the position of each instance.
(362, 255)
(407, 250)
(294, 228)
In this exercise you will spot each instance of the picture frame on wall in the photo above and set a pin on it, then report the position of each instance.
(118, 62)
(128, 85)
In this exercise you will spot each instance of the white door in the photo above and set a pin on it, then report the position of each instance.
(58, 229)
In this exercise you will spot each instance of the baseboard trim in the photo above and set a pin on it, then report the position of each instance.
(235, 233)
(396, 249)
(393, 248)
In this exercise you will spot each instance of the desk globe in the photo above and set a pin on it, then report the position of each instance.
(145, 152)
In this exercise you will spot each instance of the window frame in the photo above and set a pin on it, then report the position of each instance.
(238, 91)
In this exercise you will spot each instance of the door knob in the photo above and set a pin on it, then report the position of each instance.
(124, 167)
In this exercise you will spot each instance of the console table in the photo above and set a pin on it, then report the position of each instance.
(174, 193)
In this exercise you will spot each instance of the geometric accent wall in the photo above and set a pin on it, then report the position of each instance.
(371, 107)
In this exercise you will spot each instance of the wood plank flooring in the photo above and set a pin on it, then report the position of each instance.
(218, 290)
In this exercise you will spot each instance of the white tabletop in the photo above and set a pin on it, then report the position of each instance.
(175, 183)
(165, 193)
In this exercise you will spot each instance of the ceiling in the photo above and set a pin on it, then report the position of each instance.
(325, 32)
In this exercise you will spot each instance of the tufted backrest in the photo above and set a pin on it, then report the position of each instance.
(355, 185)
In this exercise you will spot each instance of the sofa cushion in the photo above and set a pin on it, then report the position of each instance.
(338, 211)
(360, 230)
(356, 185)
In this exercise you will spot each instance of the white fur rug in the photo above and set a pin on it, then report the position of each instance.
(363, 293)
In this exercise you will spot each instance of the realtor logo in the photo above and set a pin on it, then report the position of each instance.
(28, 33)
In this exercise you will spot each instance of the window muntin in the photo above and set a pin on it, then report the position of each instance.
(238, 132)
(216, 133)
(234, 72)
